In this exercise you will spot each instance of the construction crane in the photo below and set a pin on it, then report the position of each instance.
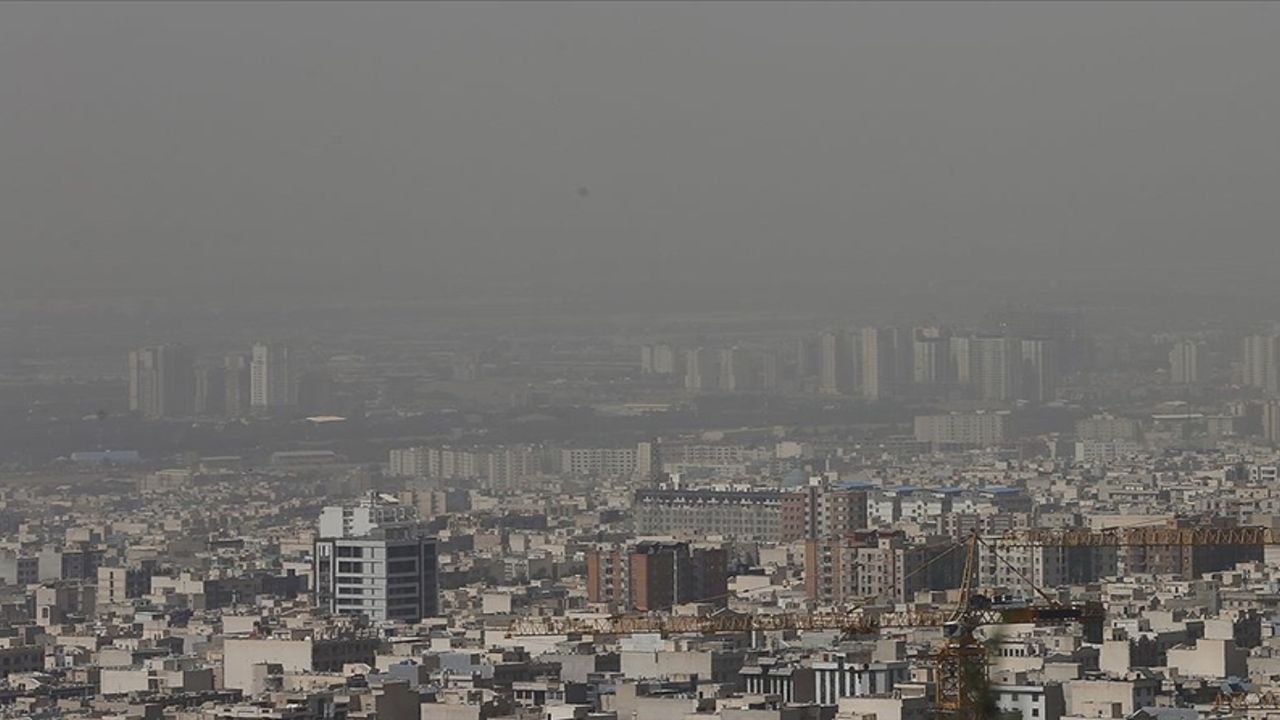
(960, 666)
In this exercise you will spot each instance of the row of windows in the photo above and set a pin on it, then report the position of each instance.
(399, 567)
(402, 551)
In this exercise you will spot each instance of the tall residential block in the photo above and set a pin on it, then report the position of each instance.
(1039, 372)
(837, 363)
(1184, 363)
(273, 377)
(236, 380)
(161, 381)
(1258, 364)
(996, 364)
(881, 364)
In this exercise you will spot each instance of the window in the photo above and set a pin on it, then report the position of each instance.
(350, 567)
(402, 566)
(348, 551)
(402, 551)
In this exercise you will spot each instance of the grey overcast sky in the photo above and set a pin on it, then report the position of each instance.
(663, 145)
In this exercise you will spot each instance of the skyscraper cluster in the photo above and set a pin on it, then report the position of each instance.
(878, 363)
(731, 368)
(168, 381)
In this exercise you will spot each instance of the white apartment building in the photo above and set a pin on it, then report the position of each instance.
(374, 559)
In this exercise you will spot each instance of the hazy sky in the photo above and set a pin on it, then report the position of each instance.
(654, 144)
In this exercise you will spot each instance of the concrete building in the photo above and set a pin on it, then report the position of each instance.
(699, 370)
(1108, 427)
(879, 565)
(879, 362)
(997, 365)
(1271, 422)
(1039, 372)
(237, 379)
(162, 381)
(837, 676)
(658, 359)
(374, 559)
(747, 515)
(1115, 698)
(961, 429)
(931, 359)
(244, 659)
(1258, 362)
(666, 574)
(736, 372)
(837, 363)
(273, 383)
(607, 462)
(1184, 363)
(210, 390)
(1210, 658)
(1032, 702)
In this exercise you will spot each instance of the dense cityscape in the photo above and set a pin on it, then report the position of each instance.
(635, 360)
(841, 522)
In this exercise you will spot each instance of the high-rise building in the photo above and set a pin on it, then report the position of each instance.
(409, 462)
(656, 576)
(607, 578)
(1039, 372)
(837, 364)
(735, 370)
(236, 381)
(1258, 365)
(996, 365)
(210, 390)
(767, 370)
(662, 575)
(961, 350)
(930, 358)
(649, 461)
(1271, 421)
(374, 558)
(1184, 363)
(878, 566)
(807, 353)
(878, 362)
(161, 381)
(832, 511)
(659, 359)
(273, 383)
(699, 370)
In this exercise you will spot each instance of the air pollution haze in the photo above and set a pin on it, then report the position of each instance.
(694, 153)
(639, 361)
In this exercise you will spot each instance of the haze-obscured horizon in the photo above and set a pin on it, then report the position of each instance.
(704, 153)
